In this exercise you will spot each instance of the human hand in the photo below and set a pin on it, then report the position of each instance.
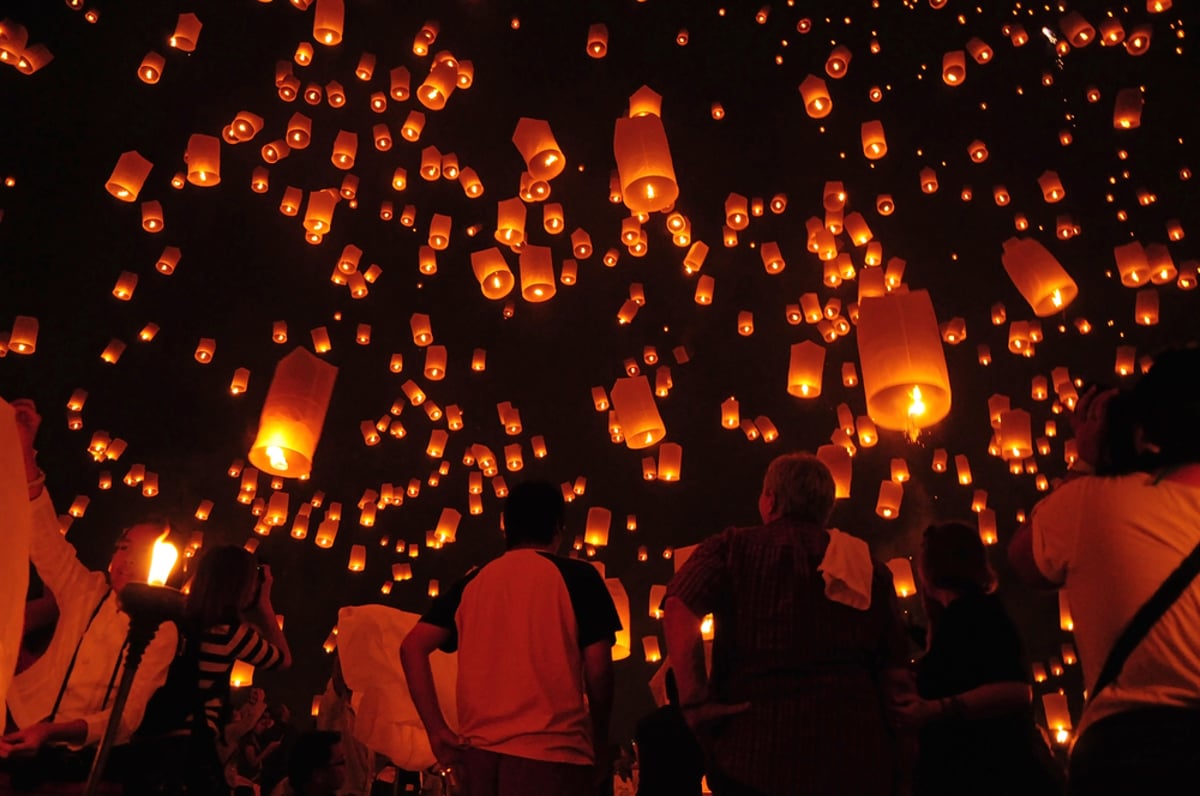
(26, 742)
(447, 746)
(1088, 422)
(264, 591)
(910, 711)
(28, 421)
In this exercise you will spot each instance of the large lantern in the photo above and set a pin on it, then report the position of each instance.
(292, 415)
(535, 141)
(644, 164)
(902, 362)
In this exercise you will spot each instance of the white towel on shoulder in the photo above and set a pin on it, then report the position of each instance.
(847, 568)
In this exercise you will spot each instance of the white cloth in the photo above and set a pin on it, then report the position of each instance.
(847, 567)
(77, 591)
(14, 572)
(1110, 543)
(386, 720)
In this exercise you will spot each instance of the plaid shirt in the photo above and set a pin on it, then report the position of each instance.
(808, 666)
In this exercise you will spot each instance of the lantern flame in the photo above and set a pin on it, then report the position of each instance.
(278, 458)
(162, 561)
(917, 406)
(1056, 299)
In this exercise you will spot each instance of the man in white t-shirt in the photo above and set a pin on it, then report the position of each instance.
(1109, 541)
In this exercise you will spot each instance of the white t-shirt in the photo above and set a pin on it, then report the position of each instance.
(1111, 542)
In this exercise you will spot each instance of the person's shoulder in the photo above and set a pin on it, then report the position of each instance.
(573, 568)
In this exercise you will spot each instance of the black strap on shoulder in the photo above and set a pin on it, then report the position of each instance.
(1147, 615)
(62, 689)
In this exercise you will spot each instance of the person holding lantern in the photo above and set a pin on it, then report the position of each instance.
(808, 647)
(59, 706)
(1125, 548)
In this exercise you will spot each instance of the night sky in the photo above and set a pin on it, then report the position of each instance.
(64, 241)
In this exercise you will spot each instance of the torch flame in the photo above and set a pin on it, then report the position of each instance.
(162, 561)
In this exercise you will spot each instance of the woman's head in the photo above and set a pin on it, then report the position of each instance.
(953, 559)
(223, 585)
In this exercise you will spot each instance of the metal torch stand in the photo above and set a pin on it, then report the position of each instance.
(147, 607)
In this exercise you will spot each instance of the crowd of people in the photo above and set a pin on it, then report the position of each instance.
(807, 687)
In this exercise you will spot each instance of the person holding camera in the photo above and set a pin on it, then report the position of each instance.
(227, 617)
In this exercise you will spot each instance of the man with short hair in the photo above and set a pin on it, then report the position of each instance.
(806, 630)
(65, 697)
(534, 632)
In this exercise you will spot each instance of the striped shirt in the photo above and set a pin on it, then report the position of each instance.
(220, 646)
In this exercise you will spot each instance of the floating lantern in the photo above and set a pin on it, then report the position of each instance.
(902, 577)
(151, 68)
(874, 143)
(647, 176)
(670, 461)
(205, 350)
(1145, 312)
(1127, 110)
(597, 40)
(128, 176)
(542, 155)
(838, 460)
(954, 68)
(634, 403)
(187, 33)
(439, 84)
(903, 365)
(328, 20)
(838, 61)
(495, 278)
(537, 273)
(704, 289)
(1038, 276)
(805, 365)
(887, 505)
(203, 158)
(292, 415)
(1015, 435)
(1132, 264)
(815, 95)
(596, 531)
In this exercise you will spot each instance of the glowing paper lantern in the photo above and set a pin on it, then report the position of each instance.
(902, 361)
(891, 493)
(1127, 109)
(187, 33)
(644, 166)
(902, 577)
(838, 460)
(203, 158)
(1038, 275)
(806, 363)
(1132, 264)
(440, 83)
(599, 521)
(495, 278)
(151, 68)
(328, 20)
(670, 461)
(292, 415)
(542, 155)
(23, 338)
(954, 68)
(874, 143)
(815, 95)
(634, 403)
(597, 40)
(620, 599)
(537, 273)
(128, 176)
(1015, 435)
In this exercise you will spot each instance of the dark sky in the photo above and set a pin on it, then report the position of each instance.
(64, 240)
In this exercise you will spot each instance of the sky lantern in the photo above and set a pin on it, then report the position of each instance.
(1015, 435)
(537, 273)
(128, 176)
(510, 222)
(1052, 188)
(1145, 312)
(1079, 31)
(987, 526)
(902, 577)
(839, 462)
(152, 216)
(979, 50)
(23, 337)
(902, 362)
(1132, 264)
(644, 166)
(634, 403)
(806, 364)
(874, 143)
(441, 82)
(954, 68)
(495, 278)
(887, 505)
(1038, 275)
(292, 415)
(670, 462)
(838, 61)
(815, 95)
(328, 20)
(542, 155)
(345, 149)
(621, 649)
(1127, 109)
(187, 33)
(599, 521)
(597, 40)
(318, 217)
(151, 68)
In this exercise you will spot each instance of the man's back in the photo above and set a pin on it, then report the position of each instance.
(522, 622)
